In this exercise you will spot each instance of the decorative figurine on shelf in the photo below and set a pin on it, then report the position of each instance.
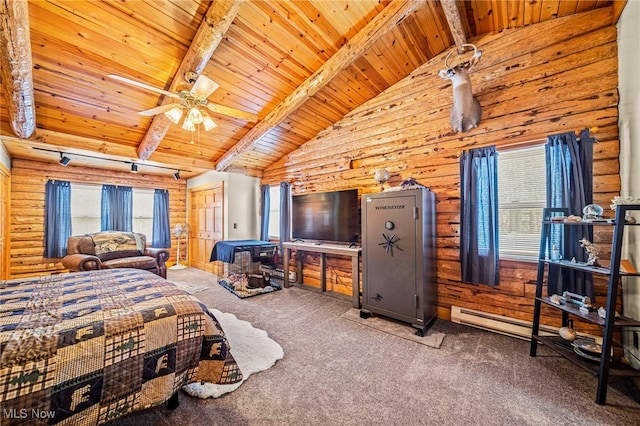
(592, 212)
(623, 200)
(592, 252)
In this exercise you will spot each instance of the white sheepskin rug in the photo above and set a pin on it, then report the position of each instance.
(252, 349)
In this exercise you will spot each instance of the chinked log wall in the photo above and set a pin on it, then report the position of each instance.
(28, 180)
(547, 78)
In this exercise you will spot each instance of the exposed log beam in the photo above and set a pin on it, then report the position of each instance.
(384, 22)
(90, 146)
(15, 65)
(454, 20)
(208, 36)
(618, 7)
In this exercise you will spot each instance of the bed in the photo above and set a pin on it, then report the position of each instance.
(85, 348)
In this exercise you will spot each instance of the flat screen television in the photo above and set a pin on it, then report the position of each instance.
(326, 216)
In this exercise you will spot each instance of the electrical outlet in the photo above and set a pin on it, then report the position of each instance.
(235, 226)
(635, 340)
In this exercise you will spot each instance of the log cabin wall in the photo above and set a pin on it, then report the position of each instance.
(28, 180)
(548, 78)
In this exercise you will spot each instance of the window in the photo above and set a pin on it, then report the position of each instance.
(85, 209)
(274, 211)
(522, 194)
(143, 212)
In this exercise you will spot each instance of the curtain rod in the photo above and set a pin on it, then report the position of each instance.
(525, 142)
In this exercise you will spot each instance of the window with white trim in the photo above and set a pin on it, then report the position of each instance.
(274, 212)
(522, 194)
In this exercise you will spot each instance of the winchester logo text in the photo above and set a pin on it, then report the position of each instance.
(389, 207)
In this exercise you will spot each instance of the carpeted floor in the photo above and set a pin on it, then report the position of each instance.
(339, 372)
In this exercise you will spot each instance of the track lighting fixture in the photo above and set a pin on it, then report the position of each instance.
(64, 160)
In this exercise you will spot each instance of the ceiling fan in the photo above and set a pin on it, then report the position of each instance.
(192, 101)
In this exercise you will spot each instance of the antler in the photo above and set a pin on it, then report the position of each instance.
(476, 55)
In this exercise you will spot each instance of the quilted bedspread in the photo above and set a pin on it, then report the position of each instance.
(88, 347)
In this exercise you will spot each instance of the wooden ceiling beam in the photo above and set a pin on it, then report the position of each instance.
(208, 36)
(72, 143)
(452, 13)
(16, 66)
(384, 22)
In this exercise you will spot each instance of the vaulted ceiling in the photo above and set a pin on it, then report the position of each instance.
(296, 66)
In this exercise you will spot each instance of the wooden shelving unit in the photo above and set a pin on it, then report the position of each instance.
(607, 365)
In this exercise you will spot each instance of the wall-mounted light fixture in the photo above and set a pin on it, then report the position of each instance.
(381, 176)
(65, 159)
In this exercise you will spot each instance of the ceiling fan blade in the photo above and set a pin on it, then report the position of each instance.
(204, 86)
(143, 85)
(232, 112)
(159, 109)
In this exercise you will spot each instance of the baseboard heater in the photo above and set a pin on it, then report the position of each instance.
(498, 323)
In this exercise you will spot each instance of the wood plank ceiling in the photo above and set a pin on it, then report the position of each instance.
(298, 65)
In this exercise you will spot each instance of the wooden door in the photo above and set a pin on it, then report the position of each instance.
(205, 219)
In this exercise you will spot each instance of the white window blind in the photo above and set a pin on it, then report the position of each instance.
(522, 195)
(274, 211)
(85, 209)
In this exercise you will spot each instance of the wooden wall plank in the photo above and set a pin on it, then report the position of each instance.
(562, 77)
(28, 180)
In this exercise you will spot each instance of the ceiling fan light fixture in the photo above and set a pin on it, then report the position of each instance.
(204, 86)
(174, 115)
(207, 122)
(188, 125)
(195, 115)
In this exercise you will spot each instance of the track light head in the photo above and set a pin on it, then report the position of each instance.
(176, 175)
(64, 160)
(134, 168)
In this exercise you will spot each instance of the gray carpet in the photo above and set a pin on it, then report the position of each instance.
(339, 372)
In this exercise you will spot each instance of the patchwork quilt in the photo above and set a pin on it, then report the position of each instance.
(88, 347)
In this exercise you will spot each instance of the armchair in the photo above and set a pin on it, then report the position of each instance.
(114, 249)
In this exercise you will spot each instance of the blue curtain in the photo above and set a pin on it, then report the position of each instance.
(57, 219)
(264, 212)
(285, 216)
(479, 254)
(116, 213)
(570, 186)
(161, 231)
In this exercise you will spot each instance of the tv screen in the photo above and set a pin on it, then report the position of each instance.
(326, 216)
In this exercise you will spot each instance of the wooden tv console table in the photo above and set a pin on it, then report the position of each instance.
(325, 249)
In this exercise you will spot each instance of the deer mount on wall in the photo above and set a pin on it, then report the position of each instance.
(466, 110)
